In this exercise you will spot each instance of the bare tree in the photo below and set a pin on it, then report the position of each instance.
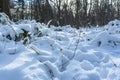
(22, 5)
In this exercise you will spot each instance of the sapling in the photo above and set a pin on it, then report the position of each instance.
(74, 52)
(77, 43)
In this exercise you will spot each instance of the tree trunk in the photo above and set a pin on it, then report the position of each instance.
(5, 7)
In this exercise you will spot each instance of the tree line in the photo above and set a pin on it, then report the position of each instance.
(63, 12)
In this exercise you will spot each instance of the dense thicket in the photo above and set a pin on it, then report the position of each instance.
(64, 12)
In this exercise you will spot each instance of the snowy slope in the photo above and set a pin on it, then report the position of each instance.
(58, 53)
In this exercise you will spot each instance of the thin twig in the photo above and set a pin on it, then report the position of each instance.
(113, 62)
(33, 48)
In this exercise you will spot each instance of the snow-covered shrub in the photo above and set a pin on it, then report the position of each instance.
(7, 32)
(20, 31)
(7, 29)
(105, 39)
(113, 26)
(24, 32)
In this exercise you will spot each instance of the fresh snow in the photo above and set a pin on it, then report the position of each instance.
(58, 53)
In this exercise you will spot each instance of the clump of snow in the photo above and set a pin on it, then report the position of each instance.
(26, 27)
(86, 65)
(75, 72)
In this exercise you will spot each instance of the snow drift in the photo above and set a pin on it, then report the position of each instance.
(32, 51)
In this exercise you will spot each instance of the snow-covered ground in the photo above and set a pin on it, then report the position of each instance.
(32, 51)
